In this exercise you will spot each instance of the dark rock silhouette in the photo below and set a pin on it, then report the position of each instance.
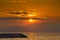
(13, 36)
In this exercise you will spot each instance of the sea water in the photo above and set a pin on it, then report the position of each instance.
(37, 36)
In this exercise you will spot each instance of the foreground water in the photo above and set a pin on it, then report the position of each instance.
(37, 36)
(28, 25)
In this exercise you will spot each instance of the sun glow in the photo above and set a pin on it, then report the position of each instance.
(31, 15)
(31, 20)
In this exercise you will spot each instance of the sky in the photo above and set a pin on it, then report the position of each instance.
(44, 8)
(41, 7)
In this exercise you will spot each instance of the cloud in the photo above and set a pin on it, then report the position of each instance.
(19, 18)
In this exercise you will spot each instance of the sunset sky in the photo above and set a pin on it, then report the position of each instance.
(43, 8)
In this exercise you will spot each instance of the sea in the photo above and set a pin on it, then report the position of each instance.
(37, 28)
(37, 36)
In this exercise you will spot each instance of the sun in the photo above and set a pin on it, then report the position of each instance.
(31, 20)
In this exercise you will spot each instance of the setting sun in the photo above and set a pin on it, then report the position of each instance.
(31, 20)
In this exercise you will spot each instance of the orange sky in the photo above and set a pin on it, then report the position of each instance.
(44, 8)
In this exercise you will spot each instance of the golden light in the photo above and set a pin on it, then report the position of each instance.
(31, 20)
(32, 14)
